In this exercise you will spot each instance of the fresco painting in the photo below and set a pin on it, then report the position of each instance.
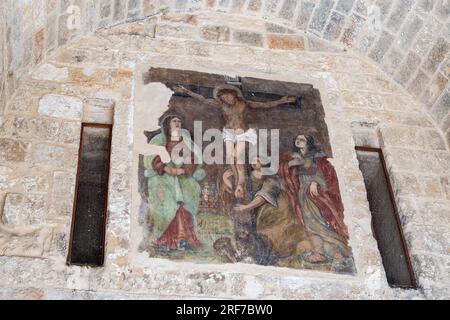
(237, 212)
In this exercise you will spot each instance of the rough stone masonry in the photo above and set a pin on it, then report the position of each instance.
(381, 68)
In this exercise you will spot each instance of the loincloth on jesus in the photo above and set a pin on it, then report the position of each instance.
(249, 136)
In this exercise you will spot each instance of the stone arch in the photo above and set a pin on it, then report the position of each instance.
(101, 66)
(406, 39)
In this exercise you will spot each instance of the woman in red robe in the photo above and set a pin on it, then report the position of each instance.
(313, 190)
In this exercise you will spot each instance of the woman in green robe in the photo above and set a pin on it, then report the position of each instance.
(173, 188)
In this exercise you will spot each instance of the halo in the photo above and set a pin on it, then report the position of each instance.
(220, 88)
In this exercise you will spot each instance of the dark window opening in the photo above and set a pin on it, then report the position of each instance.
(87, 239)
(386, 224)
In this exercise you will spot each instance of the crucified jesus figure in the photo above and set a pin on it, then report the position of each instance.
(236, 132)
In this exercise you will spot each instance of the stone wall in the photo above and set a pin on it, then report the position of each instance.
(39, 139)
(407, 39)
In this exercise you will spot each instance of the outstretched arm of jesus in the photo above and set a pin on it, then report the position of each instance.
(271, 104)
(199, 97)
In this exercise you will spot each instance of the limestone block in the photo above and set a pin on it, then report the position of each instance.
(285, 42)
(409, 31)
(426, 36)
(45, 129)
(381, 46)
(433, 140)
(320, 15)
(437, 54)
(441, 108)
(362, 100)
(12, 150)
(334, 27)
(176, 31)
(407, 68)
(34, 184)
(405, 184)
(254, 5)
(392, 60)
(445, 182)
(435, 89)
(25, 241)
(52, 73)
(287, 10)
(38, 46)
(427, 267)
(351, 32)
(249, 38)
(305, 13)
(215, 33)
(410, 137)
(270, 7)
(418, 83)
(398, 14)
(52, 156)
(61, 209)
(60, 106)
(344, 6)
(119, 10)
(69, 132)
(20, 209)
(442, 9)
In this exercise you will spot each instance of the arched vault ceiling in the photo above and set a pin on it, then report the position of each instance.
(408, 39)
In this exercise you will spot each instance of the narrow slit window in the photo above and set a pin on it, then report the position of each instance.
(385, 219)
(87, 239)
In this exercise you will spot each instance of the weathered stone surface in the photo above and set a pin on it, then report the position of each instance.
(398, 14)
(392, 60)
(12, 150)
(52, 156)
(176, 31)
(442, 9)
(320, 15)
(34, 184)
(38, 46)
(63, 183)
(436, 55)
(305, 13)
(435, 89)
(426, 36)
(50, 72)
(20, 209)
(254, 5)
(215, 33)
(445, 182)
(381, 46)
(345, 6)
(25, 242)
(288, 9)
(285, 42)
(407, 68)
(237, 6)
(271, 6)
(418, 84)
(441, 108)
(351, 32)
(334, 27)
(248, 38)
(60, 106)
(119, 10)
(409, 31)
(362, 100)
